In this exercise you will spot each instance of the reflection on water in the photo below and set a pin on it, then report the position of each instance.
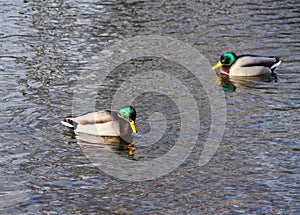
(101, 147)
(103, 144)
(231, 84)
(225, 83)
(44, 46)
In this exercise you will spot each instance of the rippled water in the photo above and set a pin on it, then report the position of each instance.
(46, 45)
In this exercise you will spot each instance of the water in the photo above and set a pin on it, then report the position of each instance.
(46, 46)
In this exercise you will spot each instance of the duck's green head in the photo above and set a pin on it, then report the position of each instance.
(129, 114)
(227, 59)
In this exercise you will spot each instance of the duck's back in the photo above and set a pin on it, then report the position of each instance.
(251, 65)
(101, 116)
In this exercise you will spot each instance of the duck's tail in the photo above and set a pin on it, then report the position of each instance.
(276, 64)
(69, 123)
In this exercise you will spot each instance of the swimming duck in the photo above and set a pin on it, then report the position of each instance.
(104, 122)
(246, 65)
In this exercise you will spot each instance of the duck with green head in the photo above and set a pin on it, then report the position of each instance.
(104, 122)
(246, 65)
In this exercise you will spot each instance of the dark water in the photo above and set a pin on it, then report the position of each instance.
(46, 45)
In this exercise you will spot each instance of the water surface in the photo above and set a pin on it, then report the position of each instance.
(45, 46)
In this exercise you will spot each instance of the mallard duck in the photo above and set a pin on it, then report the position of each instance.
(246, 65)
(104, 122)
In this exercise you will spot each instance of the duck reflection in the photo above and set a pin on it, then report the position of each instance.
(225, 83)
(231, 84)
(103, 146)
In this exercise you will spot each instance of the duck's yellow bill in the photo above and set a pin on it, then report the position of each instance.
(219, 64)
(132, 124)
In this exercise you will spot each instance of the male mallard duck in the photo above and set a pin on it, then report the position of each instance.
(246, 65)
(104, 122)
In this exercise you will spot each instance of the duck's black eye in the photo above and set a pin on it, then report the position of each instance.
(132, 116)
(225, 60)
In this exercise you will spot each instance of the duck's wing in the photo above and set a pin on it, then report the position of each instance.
(110, 128)
(97, 117)
(254, 60)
